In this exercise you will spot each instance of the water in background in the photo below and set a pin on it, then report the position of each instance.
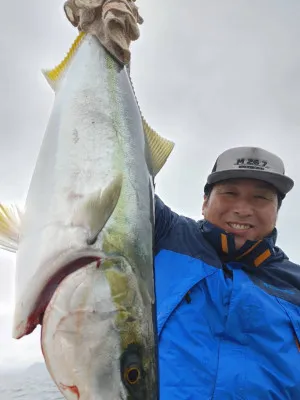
(31, 384)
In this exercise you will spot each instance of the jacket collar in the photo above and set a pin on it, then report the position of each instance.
(252, 253)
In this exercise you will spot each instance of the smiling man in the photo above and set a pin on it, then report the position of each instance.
(228, 299)
(247, 208)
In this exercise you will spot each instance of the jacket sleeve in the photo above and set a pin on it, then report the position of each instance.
(164, 220)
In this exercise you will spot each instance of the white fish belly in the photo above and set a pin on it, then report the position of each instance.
(79, 333)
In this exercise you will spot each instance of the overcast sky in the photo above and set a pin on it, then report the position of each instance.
(208, 74)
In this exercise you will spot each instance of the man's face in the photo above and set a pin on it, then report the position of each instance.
(245, 207)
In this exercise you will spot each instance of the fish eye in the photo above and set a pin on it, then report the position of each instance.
(132, 375)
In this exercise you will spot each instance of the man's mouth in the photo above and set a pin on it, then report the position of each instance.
(239, 227)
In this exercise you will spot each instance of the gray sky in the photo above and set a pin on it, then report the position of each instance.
(208, 74)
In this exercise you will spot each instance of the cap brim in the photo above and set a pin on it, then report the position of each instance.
(282, 183)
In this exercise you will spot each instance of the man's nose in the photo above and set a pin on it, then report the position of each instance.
(243, 208)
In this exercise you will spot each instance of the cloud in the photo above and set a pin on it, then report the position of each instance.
(15, 354)
(6, 309)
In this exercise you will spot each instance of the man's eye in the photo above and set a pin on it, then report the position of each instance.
(229, 192)
(261, 197)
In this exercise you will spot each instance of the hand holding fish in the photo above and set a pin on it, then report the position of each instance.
(113, 22)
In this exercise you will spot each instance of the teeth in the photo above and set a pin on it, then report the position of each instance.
(239, 226)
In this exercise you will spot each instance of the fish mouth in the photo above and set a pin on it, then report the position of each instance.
(71, 264)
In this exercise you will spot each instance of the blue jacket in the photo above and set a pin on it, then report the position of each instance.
(227, 329)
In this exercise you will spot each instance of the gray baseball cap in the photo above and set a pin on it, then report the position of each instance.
(253, 163)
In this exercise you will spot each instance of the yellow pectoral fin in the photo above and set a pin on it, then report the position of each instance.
(55, 75)
(96, 210)
(160, 148)
(10, 222)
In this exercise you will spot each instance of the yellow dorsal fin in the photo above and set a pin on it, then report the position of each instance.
(54, 75)
(160, 148)
(10, 222)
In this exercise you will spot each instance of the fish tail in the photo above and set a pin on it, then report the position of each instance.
(10, 222)
(54, 76)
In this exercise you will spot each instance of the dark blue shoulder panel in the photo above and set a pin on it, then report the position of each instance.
(165, 219)
(181, 235)
(280, 279)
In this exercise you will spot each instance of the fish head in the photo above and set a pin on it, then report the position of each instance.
(98, 337)
(49, 251)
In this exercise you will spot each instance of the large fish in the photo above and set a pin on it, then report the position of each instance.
(85, 251)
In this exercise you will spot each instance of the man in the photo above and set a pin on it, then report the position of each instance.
(228, 299)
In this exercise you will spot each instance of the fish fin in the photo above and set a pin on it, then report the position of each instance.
(10, 222)
(160, 148)
(55, 75)
(97, 209)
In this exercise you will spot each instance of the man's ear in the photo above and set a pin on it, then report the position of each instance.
(204, 204)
